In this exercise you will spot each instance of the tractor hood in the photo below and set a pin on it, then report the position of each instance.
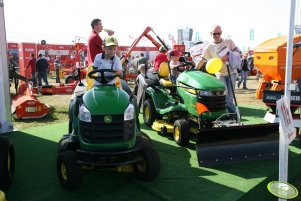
(200, 80)
(104, 100)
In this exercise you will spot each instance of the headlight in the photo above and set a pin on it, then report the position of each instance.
(129, 113)
(84, 114)
(205, 93)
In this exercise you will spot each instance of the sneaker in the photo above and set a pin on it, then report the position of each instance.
(244, 88)
(238, 84)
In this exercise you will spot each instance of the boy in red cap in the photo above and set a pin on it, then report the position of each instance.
(173, 56)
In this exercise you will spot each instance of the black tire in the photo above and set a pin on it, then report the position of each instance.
(181, 132)
(68, 170)
(145, 136)
(7, 162)
(70, 115)
(149, 112)
(70, 79)
(148, 168)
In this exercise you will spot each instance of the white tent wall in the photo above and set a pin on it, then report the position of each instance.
(5, 101)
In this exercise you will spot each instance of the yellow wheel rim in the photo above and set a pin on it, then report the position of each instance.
(141, 165)
(64, 172)
(176, 134)
(146, 113)
(2, 196)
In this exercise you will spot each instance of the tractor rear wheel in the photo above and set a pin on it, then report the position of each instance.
(148, 168)
(68, 170)
(7, 162)
(181, 132)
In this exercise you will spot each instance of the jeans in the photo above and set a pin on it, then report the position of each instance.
(57, 75)
(230, 92)
(42, 75)
(173, 79)
(126, 87)
(34, 79)
(244, 77)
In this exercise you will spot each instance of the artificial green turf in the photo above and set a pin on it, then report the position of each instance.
(180, 179)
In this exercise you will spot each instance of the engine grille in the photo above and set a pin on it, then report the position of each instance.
(98, 131)
(213, 103)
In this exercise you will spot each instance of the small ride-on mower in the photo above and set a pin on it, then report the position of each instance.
(197, 104)
(104, 132)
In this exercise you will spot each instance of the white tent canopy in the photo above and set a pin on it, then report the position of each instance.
(5, 101)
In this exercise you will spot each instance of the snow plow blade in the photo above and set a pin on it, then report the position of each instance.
(216, 146)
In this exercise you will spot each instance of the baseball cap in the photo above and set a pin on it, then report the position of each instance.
(110, 41)
(174, 52)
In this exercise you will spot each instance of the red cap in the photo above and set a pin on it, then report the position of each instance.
(173, 52)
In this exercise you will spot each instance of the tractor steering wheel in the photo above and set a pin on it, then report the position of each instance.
(186, 63)
(101, 77)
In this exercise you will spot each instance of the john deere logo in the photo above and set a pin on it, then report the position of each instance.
(108, 119)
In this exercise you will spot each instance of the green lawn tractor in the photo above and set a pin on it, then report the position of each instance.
(104, 133)
(7, 162)
(197, 104)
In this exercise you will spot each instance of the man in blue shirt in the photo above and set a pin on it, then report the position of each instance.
(42, 69)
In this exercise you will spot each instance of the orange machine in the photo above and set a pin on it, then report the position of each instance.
(270, 59)
(27, 106)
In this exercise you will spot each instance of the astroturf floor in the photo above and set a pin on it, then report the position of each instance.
(180, 179)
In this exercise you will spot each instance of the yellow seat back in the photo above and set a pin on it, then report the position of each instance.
(89, 80)
(164, 73)
(163, 70)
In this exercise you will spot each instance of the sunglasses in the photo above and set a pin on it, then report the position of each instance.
(219, 33)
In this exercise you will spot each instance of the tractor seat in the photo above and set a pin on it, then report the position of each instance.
(89, 80)
(163, 75)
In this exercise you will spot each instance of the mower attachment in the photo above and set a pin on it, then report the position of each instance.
(223, 145)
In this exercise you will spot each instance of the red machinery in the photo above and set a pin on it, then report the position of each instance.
(69, 67)
(134, 44)
(27, 106)
(50, 90)
(71, 56)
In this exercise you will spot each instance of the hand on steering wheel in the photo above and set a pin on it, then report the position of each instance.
(102, 78)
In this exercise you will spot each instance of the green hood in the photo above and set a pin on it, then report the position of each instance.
(201, 80)
(104, 100)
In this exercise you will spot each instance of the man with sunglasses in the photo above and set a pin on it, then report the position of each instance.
(220, 48)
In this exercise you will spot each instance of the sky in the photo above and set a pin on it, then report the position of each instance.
(60, 21)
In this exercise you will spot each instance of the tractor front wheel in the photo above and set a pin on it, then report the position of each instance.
(149, 112)
(181, 132)
(7, 162)
(68, 170)
(148, 168)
